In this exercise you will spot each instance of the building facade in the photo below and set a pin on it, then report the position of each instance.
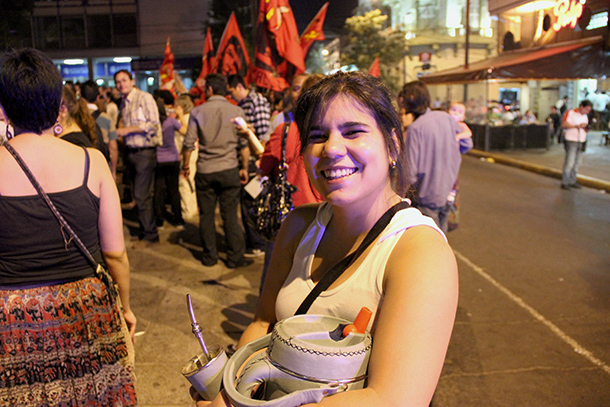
(95, 38)
(436, 32)
(547, 49)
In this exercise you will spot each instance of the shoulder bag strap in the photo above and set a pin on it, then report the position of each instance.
(287, 121)
(48, 201)
(338, 269)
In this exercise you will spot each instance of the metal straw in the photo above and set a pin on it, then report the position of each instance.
(196, 328)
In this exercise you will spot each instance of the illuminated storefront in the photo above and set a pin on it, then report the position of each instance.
(547, 49)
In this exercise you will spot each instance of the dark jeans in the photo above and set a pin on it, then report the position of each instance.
(166, 184)
(253, 239)
(438, 215)
(222, 187)
(141, 164)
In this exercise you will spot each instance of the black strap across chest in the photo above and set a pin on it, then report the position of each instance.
(338, 269)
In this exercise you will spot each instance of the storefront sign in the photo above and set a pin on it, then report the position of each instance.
(567, 12)
(74, 71)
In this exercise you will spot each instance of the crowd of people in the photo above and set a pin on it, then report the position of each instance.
(350, 154)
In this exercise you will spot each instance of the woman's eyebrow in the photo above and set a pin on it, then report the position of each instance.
(352, 124)
(341, 126)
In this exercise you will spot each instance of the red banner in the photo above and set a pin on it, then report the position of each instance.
(166, 72)
(207, 62)
(314, 31)
(232, 56)
(374, 69)
(277, 55)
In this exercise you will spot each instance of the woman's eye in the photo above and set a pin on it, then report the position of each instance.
(316, 137)
(352, 133)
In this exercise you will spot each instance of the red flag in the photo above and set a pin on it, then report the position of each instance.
(282, 27)
(374, 69)
(314, 32)
(232, 56)
(278, 54)
(166, 72)
(264, 71)
(207, 60)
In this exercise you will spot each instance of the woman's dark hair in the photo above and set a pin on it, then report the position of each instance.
(166, 96)
(30, 90)
(369, 92)
(79, 112)
(414, 98)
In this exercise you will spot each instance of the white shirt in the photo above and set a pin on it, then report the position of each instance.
(363, 289)
(599, 101)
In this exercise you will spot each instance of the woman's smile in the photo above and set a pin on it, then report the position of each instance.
(338, 173)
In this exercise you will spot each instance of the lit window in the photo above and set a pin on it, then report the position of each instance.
(598, 20)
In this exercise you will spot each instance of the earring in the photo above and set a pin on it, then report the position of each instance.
(9, 135)
(57, 129)
(392, 164)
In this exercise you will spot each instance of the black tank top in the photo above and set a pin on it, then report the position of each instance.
(32, 248)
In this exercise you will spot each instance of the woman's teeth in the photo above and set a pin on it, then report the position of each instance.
(334, 174)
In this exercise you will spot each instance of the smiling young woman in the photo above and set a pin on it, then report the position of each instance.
(352, 146)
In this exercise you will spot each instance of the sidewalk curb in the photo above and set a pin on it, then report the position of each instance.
(550, 172)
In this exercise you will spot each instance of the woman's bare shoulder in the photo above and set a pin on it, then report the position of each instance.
(421, 248)
(295, 225)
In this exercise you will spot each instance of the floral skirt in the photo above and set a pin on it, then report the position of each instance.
(64, 345)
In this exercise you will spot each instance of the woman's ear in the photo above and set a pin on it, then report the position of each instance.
(395, 152)
(63, 112)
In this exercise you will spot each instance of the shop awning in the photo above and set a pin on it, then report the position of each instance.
(579, 59)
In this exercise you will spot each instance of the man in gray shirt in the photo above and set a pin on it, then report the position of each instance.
(218, 177)
(433, 153)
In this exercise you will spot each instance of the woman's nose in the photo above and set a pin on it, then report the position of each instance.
(334, 145)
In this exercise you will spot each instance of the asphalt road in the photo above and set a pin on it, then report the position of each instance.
(533, 324)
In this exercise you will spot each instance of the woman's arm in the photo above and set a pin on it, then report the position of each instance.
(413, 327)
(272, 155)
(286, 242)
(465, 133)
(110, 225)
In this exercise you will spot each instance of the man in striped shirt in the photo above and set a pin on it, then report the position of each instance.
(258, 114)
(141, 131)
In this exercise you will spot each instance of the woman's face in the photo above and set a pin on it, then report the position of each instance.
(347, 158)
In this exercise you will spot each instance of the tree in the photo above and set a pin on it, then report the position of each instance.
(367, 38)
(15, 28)
(315, 61)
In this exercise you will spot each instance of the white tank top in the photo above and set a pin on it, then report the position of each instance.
(363, 289)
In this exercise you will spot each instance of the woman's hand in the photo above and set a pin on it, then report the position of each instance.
(130, 319)
(220, 401)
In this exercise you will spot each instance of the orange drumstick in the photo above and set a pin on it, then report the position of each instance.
(360, 323)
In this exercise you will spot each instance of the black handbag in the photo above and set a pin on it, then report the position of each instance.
(274, 202)
(100, 271)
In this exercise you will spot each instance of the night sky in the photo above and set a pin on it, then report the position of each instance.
(338, 10)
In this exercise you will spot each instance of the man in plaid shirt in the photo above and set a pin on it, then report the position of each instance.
(258, 114)
(256, 106)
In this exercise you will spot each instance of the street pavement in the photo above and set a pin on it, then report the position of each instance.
(224, 299)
